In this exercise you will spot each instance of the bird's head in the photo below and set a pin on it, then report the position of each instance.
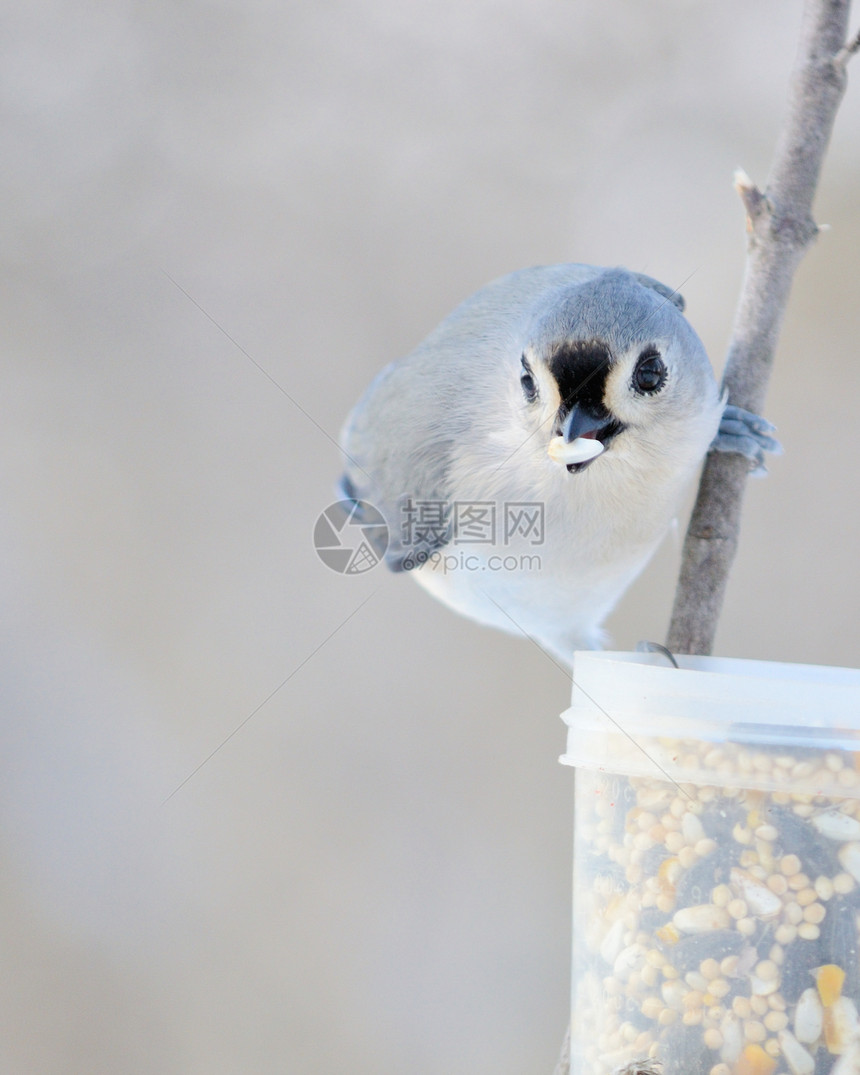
(612, 362)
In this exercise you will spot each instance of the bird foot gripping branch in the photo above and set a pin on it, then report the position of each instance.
(748, 435)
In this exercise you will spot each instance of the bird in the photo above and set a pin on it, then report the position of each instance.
(529, 456)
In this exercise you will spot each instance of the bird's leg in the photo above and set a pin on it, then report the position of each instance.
(748, 435)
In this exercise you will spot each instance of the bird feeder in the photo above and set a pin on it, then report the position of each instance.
(716, 888)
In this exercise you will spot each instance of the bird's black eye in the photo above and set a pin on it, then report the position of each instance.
(528, 382)
(650, 373)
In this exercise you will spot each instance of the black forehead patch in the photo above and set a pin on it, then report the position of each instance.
(580, 371)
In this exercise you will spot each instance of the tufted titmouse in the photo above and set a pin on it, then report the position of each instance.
(531, 453)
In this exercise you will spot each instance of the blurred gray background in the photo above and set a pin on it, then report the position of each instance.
(219, 221)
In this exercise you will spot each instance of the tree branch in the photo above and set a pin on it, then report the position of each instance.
(781, 228)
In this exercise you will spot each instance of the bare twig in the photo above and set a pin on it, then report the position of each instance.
(781, 229)
(780, 225)
(849, 50)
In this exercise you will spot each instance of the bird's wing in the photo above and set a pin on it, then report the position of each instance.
(396, 460)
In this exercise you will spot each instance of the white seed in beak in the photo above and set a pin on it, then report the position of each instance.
(577, 451)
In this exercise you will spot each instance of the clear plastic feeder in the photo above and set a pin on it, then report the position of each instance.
(716, 884)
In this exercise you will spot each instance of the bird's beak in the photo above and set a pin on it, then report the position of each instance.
(577, 443)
